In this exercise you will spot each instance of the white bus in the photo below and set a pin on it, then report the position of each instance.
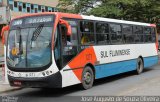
(60, 49)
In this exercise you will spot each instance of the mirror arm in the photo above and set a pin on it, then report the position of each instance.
(5, 28)
(64, 22)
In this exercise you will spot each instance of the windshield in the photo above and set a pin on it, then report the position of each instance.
(29, 47)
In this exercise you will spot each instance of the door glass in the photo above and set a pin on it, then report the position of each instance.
(57, 49)
(69, 44)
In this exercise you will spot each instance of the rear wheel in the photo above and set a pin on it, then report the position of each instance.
(87, 78)
(140, 66)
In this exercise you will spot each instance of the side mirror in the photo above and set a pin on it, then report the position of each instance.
(64, 22)
(5, 28)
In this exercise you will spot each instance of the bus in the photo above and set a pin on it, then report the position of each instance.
(56, 50)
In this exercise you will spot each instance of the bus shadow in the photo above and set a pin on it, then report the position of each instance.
(39, 92)
(48, 92)
(117, 77)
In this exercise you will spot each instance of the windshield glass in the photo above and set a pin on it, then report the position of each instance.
(29, 47)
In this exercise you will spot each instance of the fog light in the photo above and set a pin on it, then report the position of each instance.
(47, 72)
(43, 73)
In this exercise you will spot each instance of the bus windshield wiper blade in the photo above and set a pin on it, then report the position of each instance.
(37, 32)
(20, 41)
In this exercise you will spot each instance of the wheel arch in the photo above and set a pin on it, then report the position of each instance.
(92, 67)
(141, 58)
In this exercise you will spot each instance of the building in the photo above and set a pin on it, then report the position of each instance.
(12, 8)
(19, 7)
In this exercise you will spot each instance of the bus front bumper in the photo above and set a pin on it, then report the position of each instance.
(53, 81)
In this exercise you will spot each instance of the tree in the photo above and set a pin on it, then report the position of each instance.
(76, 6)
(135, 10)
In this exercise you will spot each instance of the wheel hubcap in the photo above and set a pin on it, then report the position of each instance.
(87, 77)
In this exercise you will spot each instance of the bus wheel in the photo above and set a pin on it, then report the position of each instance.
(140, 66)
(87, 78)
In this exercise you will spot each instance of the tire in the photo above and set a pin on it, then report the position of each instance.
(87, 78)
(140, 66)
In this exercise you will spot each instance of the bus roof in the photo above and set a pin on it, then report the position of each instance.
(116, 20)
(77, 16)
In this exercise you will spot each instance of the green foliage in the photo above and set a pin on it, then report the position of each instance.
(75, 6)
(135, 10)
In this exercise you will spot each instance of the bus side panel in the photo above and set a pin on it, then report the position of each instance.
(150, 61)
(148, 52)
(120, 59)
(118, 62)
(114, 68)
(72, 73)
(69, 77)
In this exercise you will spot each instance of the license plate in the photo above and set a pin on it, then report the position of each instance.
(30, 75)
(17, 83)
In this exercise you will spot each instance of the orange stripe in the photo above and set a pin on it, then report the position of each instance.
(85, 57)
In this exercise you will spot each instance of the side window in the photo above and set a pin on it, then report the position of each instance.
(36, 10)
(39, 7)
(73, 38)
(87, 33)
(11, 6)
(116, 33)
(147, 34)
(20, 8)
(28, 9)
(127, 34)
(43, 10)
(53, 10)
(24, 5)
(15, 4)
(32, 6)
(102, 33)
(46, 9)
(138, 34)
(153, 33)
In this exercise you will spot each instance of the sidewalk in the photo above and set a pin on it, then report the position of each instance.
(7, 88)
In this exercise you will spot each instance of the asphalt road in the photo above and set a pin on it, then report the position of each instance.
(126, 84)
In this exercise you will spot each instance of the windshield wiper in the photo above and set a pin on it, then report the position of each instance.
(20, 41)
(37, 32)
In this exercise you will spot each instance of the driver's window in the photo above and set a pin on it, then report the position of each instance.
(64, 35)
(69, 43)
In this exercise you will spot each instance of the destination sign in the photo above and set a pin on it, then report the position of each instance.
(40, 19)
(17, 22)
(32, 20)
